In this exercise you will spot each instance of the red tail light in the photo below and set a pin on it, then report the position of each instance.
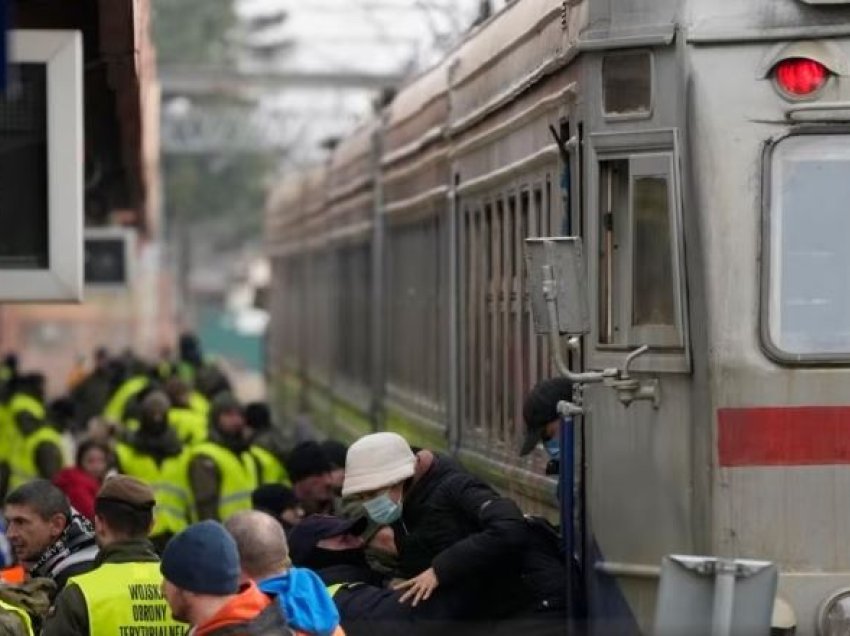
(800, 77)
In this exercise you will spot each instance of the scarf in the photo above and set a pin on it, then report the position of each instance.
(78, 535)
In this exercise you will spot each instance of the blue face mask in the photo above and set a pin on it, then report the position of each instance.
(553, 447)
(382, 509)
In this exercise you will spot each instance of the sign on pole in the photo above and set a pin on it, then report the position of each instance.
(711, 596)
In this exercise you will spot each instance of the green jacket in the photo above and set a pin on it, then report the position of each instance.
(70, 614)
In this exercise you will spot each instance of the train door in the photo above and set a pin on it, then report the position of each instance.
(638, 455)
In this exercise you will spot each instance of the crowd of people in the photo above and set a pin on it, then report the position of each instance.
(186, 511)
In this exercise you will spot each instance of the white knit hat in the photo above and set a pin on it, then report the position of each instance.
(377, 461)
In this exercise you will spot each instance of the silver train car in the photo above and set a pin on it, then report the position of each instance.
(700, 149)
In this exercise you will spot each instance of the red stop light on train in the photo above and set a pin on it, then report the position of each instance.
(799, 76)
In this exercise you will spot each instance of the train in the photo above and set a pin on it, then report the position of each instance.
(698, 149)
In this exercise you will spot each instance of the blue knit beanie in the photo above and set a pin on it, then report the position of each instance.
(202, 559)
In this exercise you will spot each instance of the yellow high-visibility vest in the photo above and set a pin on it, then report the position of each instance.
(125, 598)
(22, 465)
(199, 403)
(272, 471)
(8, 432)
(26, 621)
(169, 484)
(191, 427)
(114, 410)
(238, 478)
(21, 402)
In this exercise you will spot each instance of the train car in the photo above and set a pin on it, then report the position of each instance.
(698, 148)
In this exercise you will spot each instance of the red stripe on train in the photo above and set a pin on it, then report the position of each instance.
(784, 436)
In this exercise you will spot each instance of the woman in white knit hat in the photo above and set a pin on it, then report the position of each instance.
(452, 530)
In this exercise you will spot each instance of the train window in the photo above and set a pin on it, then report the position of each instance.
(627, 83)
(809, 290)
(638, 297)
(503, 356)
(653, 301)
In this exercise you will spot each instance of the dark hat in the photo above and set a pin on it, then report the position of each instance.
(127, 490)
(273, 499)
(335, 452)
(156, 401)
(225, 402)
(258, 416)
(541, 407)
(304, 537)
(307, 459)
(202, 559)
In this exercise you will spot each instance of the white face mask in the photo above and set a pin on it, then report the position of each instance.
(382, 509)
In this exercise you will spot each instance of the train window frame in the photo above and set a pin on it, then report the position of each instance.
(769, 346)
(644, 153)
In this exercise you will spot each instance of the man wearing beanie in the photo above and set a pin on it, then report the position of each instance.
(155, 455)
(222, 473)
(122, 594)
(202, 586)
(452, 530)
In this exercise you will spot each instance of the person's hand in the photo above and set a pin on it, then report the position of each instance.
(419, 588)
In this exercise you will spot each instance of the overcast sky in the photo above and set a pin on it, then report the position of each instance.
(375, 36)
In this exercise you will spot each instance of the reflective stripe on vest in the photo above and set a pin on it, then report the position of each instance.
(21, 402)
(26, 621)
(168, 481)
(333, 589)
(272, 471)
(238, 477)
(125, 598)
(114, 410)
(22, 461)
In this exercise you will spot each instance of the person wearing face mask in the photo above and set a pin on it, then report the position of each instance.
(542, 421)
(222, 472)
(453, 532)
(155, 455)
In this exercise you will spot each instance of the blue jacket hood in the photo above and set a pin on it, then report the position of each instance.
(305, 600)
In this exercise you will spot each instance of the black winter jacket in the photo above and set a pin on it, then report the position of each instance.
(473, 537)
(366, 608)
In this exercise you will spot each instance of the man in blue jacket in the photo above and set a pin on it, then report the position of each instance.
(264, 558)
